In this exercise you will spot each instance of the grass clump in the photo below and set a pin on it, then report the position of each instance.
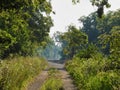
(53, 82)
(17, 72)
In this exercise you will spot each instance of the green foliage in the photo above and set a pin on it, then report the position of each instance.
(90, 27)
(53, 82)
(25, 4)
(87, 52)
(113, 39)
(90, 69)
(104, 81)
(27, 22)
(111, 19)
(15, 26)
(94, 73)
(72, 41)
(6, 40)
(97, 2)
(16, 73)
(40, 25)
(109, 27)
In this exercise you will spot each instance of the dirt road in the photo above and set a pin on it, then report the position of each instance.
(59, 65)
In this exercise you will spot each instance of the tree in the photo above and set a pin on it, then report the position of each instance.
(106, 26)
(90, 27)
(27, 22)
(39, 25)
(72, 41)
(113, 39)
(6, 40)
(51, 51)
(111, 19)
(15, 26)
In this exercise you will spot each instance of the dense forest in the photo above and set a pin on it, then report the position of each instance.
(92, 51)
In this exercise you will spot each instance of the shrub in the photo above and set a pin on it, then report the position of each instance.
(94, 73)
(104, 81)
(88, 51)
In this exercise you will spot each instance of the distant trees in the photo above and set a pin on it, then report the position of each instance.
(23, 25)
(90, 27)
(51, 51)
(72, 41)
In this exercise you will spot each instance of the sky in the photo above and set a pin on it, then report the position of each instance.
(67, 13)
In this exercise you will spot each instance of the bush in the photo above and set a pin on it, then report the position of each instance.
(104, 81)
(94, 73)
(88, 51)
(16, 73)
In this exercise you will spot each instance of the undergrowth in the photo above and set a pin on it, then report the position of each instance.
(95, 73)
(15, 73)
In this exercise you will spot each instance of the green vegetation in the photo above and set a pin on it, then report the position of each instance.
(94, 49)
(50, 51)
(24, 26)
(71, 41)
(95, 73)
(96, 66)
(53, 82)
(16, 73)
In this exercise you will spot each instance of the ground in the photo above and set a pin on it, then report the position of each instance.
(65, 77)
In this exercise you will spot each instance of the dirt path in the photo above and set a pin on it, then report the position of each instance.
(67, 81)
(38, 82)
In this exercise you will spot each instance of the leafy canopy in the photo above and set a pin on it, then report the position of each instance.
(72, 40)
(26, 24)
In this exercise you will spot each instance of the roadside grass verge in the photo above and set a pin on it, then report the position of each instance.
(53, 81)
(16, 73)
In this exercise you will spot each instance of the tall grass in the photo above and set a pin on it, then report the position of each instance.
(53, 82)
(17, 72)
(95, 73)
